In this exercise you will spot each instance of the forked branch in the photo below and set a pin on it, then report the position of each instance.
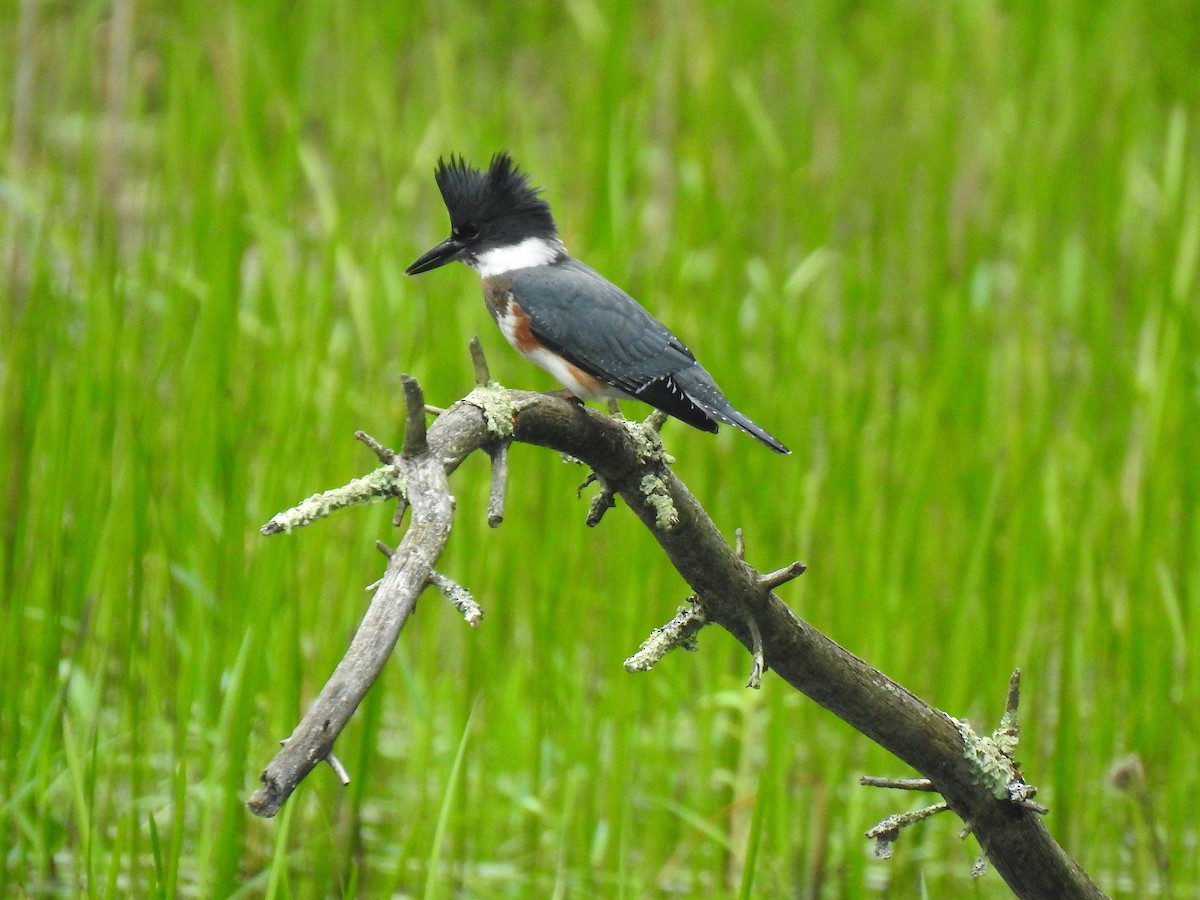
(408, 571)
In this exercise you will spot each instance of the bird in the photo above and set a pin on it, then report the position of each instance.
(562, 315)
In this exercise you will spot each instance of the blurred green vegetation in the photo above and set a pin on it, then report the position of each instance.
(947, 252)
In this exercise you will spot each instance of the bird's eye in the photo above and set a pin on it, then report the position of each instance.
(466, 232)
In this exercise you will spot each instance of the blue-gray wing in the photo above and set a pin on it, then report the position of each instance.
(582, 316)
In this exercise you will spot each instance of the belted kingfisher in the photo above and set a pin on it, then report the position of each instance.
(558, 313)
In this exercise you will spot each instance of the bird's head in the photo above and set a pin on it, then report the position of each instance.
(493, 211)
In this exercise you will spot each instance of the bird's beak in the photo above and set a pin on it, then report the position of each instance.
(446, 251)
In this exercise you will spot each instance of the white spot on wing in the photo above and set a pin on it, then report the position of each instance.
(533, 251)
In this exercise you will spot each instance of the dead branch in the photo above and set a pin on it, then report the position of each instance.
(629, 463)
(408, 571)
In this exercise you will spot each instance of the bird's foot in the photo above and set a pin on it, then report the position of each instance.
(565, 395)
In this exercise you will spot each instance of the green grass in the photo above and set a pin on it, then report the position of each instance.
(947, 252)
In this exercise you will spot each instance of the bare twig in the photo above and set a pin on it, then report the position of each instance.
(601, 503)
(656, 420)
(414, 420)
(1009, 733)
(483, 377)
(382, 453)
(782, 576)
(898, 784)
(339, 769)
(382, 483)
(459, 596)
(679, 632)
(887, 832)
(495, 511)
(756, 652)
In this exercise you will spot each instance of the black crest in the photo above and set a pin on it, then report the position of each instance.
(498, 200)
